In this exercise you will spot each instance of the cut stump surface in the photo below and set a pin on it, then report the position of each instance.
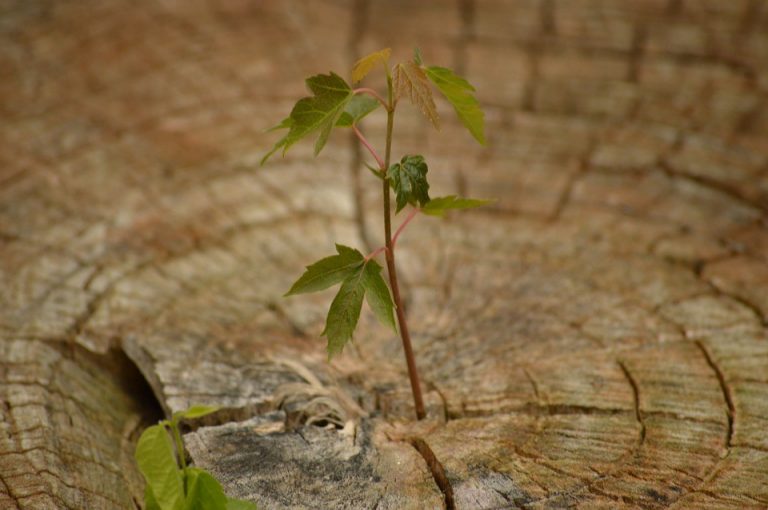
(595, 339)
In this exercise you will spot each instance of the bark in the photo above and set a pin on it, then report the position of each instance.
(595, 339)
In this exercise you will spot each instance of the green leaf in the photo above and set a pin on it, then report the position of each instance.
(409, 180)
(278, 145)
(317, 113)
(375, 171)
(157, 462)
(357, 108)
(197, 411)
(344, 313)
(411, 81)
(204, 492)
(286, 123)
(240, 504)
(150, 502)
(438, 206)
(328, 271)
(365, 64)
(458, 92)
(377, 294)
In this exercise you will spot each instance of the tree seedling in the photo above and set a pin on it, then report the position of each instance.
(171, 484)
(336, 104)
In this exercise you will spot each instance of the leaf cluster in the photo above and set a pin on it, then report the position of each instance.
(335, 103)
(171, 485)
(359, 278)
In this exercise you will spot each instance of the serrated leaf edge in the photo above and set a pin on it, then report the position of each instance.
(420, 96)
(477, 132)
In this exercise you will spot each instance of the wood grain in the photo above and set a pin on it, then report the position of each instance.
(595, 339)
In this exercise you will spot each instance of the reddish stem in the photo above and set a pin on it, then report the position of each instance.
(367, 145)
(373, 93)
(375, 252)
(413, 373)
(405, 223)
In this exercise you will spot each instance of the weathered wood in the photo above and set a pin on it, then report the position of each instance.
(596, 339)
(70, 421)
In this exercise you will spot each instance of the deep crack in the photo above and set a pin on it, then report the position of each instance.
(731, 413)
(437, 470)
(636, 394)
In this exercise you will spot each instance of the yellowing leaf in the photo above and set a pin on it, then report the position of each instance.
(411, 81)
(365, 64)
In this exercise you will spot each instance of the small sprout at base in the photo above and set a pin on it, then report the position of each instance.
(171, 485)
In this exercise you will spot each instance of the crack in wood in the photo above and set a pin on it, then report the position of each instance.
(589, 485)
(567, 193)
(743, 301)
(50, 498)
(7, 490)
(535, 409)
(126, 377)
(684, 15)
(437, 470)
(636, 395)
(723, 188)
(534, 385)
(730, 415)
(731, 409)
(69, 485)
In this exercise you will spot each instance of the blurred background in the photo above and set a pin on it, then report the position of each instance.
(627, 150)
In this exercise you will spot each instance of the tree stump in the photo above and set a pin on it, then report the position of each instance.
(595, 339)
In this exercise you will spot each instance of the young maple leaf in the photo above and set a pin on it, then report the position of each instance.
(365, 64)
(319, 112)
(409, 180)
(411, 81)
